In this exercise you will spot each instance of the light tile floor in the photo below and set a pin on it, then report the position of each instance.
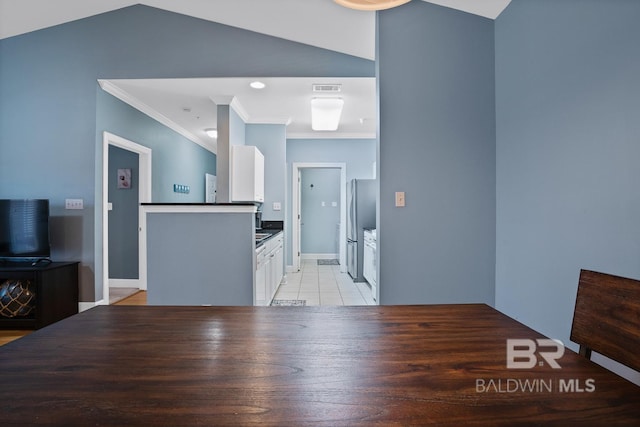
(324, 285)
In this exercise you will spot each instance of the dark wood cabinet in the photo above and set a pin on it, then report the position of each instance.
(54, 289)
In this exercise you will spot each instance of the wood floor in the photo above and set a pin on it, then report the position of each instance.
(139, 298)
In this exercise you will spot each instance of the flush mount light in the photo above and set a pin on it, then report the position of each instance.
(325, 113)
(211, 133)
(257, 85)
(371, 4)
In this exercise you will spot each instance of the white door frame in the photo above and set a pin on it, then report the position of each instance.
(295, 210)
(144, 164)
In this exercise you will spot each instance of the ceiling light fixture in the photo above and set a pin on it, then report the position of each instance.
(257, 85)
(371, 4)
(325, 113)
(211, 133)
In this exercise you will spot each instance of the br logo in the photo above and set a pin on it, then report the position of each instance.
(521, 353)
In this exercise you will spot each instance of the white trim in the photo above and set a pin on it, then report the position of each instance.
(84, 306)
(331, 135)
(319, 256)
(144, 161)
(295, 189)
(274, 120)
(150, 209)
(238, 108)
(126, 97)
(232, 102)
(123, 283)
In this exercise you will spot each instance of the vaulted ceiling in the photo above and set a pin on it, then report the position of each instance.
(187, 107)
(320, 23)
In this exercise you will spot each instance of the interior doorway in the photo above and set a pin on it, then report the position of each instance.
(143, 178)
(297, 228)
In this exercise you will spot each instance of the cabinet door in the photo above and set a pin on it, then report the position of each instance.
(280, 264)
(268, 279)
(274, 274)
(247, 174)
(367, 262)
(261, 285)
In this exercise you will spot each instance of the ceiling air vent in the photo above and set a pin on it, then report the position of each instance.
(327, 88)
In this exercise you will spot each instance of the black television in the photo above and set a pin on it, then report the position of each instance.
(24, 230)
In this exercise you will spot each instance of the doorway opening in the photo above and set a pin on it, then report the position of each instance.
(297, 228)
(143, 184)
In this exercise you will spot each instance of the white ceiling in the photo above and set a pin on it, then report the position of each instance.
(304, 21)
(284, 100)
(189, 105)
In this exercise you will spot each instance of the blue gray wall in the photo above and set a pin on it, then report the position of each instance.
(170, 152)
(217, 269)
(271, 140)
(568, 144)
(175, 159)
(319, 190)
(49, 141)
(359, 156)
(437, 144)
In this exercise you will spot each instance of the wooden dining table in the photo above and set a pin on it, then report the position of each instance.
(299, 366)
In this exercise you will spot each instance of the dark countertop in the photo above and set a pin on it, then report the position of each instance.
(197, 204)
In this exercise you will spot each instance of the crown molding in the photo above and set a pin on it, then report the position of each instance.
(331, 135)
(127, 98)
(233, 102)
(281, 120)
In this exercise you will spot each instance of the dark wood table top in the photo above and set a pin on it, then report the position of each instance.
(293, 366)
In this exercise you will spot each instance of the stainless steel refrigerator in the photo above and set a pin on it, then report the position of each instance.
(361, 214)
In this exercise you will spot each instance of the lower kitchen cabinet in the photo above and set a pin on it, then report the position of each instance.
(369, 263)
(269, 269)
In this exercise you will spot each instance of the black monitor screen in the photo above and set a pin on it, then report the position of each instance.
(24, 228)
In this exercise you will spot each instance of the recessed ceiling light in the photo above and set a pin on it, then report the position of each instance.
(257, 85)
(211, 133)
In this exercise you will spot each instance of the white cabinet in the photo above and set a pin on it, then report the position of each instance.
(369, 261)
(247, 174)
(269, 269)
(260, 293)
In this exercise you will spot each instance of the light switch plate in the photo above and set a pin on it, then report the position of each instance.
(277, 206)
(400, 199)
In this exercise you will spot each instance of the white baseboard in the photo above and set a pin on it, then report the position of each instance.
(319, 256)
(84, 306)
(124, 283)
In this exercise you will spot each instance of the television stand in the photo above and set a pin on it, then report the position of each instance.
(47, 293)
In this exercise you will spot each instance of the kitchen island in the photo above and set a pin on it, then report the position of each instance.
(200, 254)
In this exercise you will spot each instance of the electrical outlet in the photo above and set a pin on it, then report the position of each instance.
(400, 199)
(74, 204)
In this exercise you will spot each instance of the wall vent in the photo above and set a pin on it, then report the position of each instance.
(327, 88)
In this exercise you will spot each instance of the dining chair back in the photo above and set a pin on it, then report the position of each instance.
(606, 318)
